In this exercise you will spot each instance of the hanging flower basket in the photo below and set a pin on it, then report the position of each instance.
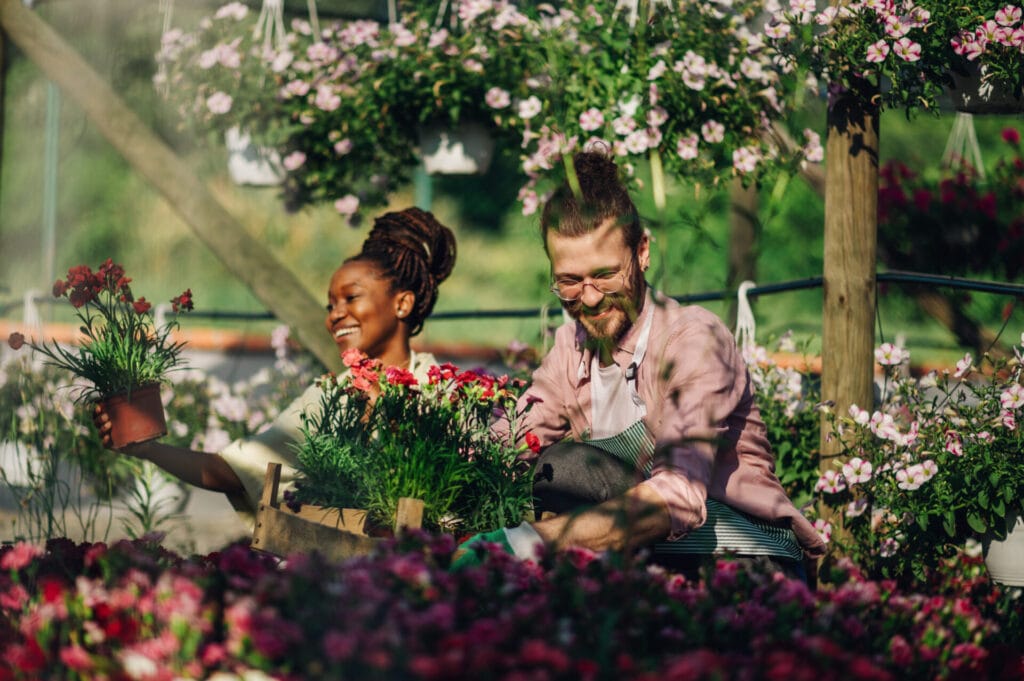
(977, 94)
(251, 164)
(136, 416)
(1005, 558)
(464, 150)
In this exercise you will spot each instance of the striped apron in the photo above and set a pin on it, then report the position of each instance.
(726, 530)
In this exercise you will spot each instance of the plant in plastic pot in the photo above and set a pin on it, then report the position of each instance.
(124, 354)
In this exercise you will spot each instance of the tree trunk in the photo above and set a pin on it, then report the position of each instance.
(272, 283)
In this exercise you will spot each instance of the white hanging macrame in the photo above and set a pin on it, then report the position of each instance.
(745, 325)
(632, 9)
(270, 26)
(962, 146)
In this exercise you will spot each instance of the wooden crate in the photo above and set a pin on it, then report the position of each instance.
(334, 533)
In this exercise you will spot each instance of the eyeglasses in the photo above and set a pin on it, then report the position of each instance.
(604, 283)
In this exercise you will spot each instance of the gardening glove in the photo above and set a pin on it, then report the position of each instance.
(522, 541)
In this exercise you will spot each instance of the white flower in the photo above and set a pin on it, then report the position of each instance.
(219, 102)
(294, 160)
(496, 98)
(857, 470)
(830, 482)
(745, 159)
(687, 147)
(658, 70)
(776, 29)
(623, 125)
(911, 477)
(963, 367)
(657, 117)
(529, 107)
(637, 142)
(232, 10)
(530, 201)
(343, 146)
(888, 547)
(712, 132)
(888, 354)
(437, 38)
(877, 52)
(347, 205)
(813, 151)
(1012, 397)
(591, 119)
(824, 530)
(326, 99)
(907, 50)
(856, 508)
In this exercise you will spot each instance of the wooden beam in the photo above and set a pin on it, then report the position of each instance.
(851, 232)
(270, 281)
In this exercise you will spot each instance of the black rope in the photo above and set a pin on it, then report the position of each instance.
(894, 276)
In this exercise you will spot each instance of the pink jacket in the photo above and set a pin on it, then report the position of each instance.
(708, 431)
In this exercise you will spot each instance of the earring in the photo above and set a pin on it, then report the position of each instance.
(401, 313)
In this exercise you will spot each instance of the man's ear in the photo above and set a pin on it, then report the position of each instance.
(643, 252)
(404, 302)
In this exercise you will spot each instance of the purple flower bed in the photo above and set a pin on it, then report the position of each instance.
(136, 611)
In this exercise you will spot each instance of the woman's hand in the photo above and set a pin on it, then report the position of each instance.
(103, 426)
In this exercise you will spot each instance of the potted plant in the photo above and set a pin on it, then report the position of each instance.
(905, 55)
(380, 436)
(938, 462)
(223, 78)
(366, 103)
(692, 90)
(123, 356)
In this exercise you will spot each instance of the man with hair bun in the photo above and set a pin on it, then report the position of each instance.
(650, 435)
(376, 301)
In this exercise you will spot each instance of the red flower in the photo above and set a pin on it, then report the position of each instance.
(533, 442)
(182, 302)
(81, 295)
(141, 306)
(396, 376)
(60, 287)
(16, 340)
(1011, 136)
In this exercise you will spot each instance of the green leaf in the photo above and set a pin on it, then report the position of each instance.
(976, 523)
(949, 523)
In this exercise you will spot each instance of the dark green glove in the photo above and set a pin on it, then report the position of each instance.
(469, 554)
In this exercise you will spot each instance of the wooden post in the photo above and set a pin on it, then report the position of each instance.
(272, 283)
(851, 230)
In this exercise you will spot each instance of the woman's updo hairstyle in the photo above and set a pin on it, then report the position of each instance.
(415, 252)
(602, 195)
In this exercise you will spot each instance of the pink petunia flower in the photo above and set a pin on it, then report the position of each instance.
(877, 52)
(591, 119)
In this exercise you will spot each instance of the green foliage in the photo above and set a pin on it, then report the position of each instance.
(937, 463)
(380, 436)
(122, 351)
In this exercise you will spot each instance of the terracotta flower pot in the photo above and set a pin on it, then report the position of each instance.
(136, 417)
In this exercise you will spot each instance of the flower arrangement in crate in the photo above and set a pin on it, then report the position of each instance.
(939, 461)
(972, 223)
(380, 435)
(123, 357)
(908, 53)
(692, 89)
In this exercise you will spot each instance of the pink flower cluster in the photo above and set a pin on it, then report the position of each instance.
(1004, 30)
(134, 611)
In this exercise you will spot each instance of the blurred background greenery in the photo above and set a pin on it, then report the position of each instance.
(103, 209)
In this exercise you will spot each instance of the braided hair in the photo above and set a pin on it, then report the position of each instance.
(603, 196)
(415, 252)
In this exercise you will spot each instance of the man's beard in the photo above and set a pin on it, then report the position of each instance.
(622, 309)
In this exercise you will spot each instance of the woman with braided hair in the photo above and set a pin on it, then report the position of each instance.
(376, 301)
